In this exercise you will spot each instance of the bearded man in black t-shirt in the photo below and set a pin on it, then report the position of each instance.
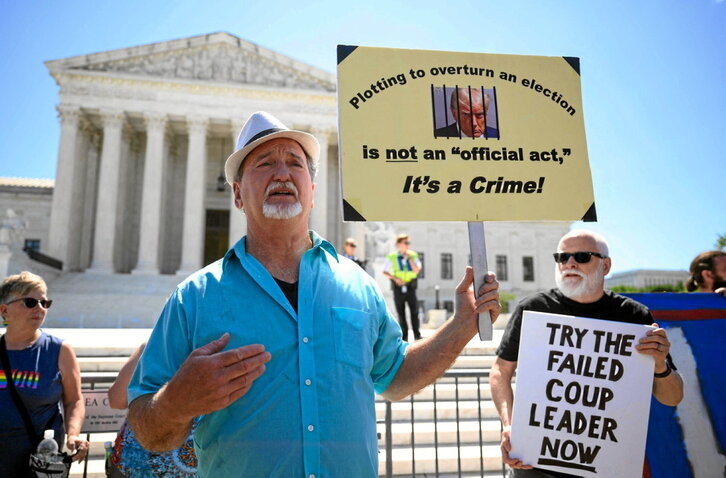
(582, 262)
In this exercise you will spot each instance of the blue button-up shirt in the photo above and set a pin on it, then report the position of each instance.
(312, 413)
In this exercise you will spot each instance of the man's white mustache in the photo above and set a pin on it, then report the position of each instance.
(280, 185)
(573, 271)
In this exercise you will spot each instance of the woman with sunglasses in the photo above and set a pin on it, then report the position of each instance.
(45, 374)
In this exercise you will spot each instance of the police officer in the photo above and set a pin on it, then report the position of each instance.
(402, 268)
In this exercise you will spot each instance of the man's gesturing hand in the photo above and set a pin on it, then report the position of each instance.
(210, 379)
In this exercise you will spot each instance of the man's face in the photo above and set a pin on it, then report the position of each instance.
(719, 273)
(470, 113)
(581, 282)
(349, 249)
(275, 181)
(403, 245)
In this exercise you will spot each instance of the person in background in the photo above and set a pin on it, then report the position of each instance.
(45, 373)
(349, 247)
(129, 459)
(708, 273)
(402, 267)
(581, 263)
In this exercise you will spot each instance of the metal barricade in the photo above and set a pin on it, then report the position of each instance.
(435, 405)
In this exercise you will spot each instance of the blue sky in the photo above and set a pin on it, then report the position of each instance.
(653, 81)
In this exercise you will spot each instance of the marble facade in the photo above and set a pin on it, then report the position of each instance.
(144, 132)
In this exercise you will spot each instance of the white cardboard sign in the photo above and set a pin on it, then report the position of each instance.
(583, 396)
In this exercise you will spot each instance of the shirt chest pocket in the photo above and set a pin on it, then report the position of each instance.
(354, 334)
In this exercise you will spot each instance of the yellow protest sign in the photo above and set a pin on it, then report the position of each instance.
(447, 136)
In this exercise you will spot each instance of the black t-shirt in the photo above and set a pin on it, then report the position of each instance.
(290, 291)
(611, 306)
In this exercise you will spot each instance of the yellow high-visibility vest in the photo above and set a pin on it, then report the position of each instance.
(401, 267)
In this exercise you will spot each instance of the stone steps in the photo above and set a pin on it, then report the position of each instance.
(428, 433)
(108, 300)
(447, 391)
(471, 457)
(445, 410)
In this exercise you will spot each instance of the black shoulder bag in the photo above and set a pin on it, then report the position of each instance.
(39, 466)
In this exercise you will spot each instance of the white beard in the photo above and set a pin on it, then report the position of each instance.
(281, 211)
(578, 289)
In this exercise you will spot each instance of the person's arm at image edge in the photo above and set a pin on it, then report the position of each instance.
(117, 393)
(73, 406)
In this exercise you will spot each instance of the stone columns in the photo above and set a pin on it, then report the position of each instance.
(61, 233)
(151, 196)
(104, 241)
(194, 193)
(237, 219)
(319, 215)
(87, 210)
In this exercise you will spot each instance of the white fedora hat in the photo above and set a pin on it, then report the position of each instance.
(261, 127)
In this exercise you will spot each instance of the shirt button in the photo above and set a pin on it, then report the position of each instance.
(305, 340)
(308, 382)
(311, 475)
(311, 428)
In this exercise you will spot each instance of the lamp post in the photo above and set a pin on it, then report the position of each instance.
(221, 180)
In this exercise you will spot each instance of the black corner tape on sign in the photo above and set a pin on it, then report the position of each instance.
(344, 51)
(350, 213)
(573, 61)
(590, 215)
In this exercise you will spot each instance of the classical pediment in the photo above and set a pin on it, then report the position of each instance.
(218, 57)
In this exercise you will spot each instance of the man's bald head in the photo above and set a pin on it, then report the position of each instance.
(598, 240)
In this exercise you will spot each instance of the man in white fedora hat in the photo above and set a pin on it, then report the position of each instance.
(282, 343)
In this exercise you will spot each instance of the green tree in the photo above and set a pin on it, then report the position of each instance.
(505, 298)
(652, 288)
(721, 242)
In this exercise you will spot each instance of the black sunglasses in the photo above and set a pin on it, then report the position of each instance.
(30, 302)
(580, 257)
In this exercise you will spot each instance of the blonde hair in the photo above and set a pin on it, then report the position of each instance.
(20, 284)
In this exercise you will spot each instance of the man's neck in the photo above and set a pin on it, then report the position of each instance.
(279, 249)
(589, 299)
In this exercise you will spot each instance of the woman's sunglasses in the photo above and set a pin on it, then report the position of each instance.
(30, 302)
(580, 257)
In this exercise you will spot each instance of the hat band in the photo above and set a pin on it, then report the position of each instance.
(265, 133)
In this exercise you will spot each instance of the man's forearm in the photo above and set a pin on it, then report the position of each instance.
(502, 396)
(669, 390)
(426, 360)
(155, 428)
